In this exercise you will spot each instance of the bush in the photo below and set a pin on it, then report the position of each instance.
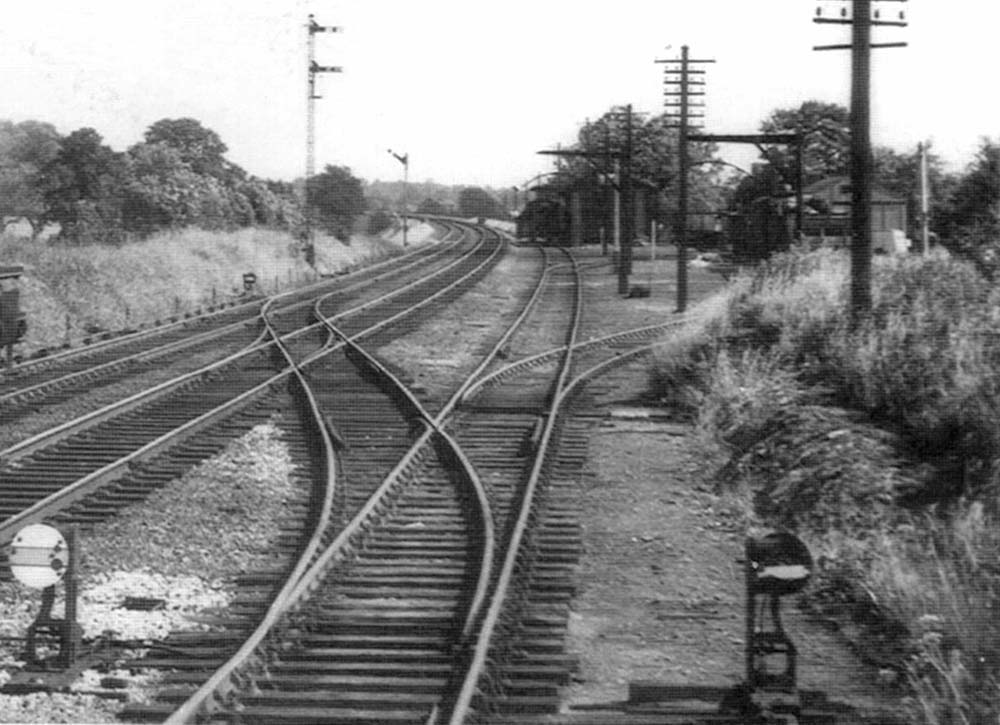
(926, 363)
(378, 221)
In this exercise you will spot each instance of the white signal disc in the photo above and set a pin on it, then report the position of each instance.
(38, 556)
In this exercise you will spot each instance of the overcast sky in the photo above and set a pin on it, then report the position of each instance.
(473, 89)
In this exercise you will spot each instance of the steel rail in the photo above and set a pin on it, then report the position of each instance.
(220, 685)
(565, 390)
(541, 358)
(453, 450)
(43, 362)
(322, 320)
(96, 479)
(85, 486)
(155, 352)
(298, 589)
(506, 577)
(462, 393)
(381, 299)
(605, 365)
(144, 356)
(53, 435)
(303, 588)
(329, 457)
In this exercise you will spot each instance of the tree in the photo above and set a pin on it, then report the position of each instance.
(476, 202)
(826, 146)
(970, 218)
(163, 189)
(198, 146)
(976, 198)
(273, 203)
(335, 199)
(654, 146)
(181, 177)
(390, 194)
(378, 221)
(83, 188)
(899, 174)
(431, 206)
(654, 149)
(25, 149)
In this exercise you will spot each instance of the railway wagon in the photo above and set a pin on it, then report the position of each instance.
(545, 220)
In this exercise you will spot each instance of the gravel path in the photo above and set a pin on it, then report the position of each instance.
(661, 593)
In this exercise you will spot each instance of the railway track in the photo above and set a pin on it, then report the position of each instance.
(505, 694)
(410, 581)
(418, 564)
(430, 574)
(521, 658)
(52, 381)
(48, 473)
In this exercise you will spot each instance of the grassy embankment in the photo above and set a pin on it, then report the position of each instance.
(68, 291)
(880, 446)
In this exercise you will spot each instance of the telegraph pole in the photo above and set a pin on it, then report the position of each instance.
(678, 81)
(624, 198)
(925, 237)
(616, 209)
(861, 151)
(627, 208)
(616, 212)
(682, 172)
(861, 159)
(313, 69)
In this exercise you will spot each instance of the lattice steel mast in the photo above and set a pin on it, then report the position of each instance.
(312, 27)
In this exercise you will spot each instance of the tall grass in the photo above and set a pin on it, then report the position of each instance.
(880, 444)
(927, 363)
(68, 290)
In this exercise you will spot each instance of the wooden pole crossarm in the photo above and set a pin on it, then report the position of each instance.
(901, 44)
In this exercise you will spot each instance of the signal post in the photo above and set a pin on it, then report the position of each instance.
(313, 68)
